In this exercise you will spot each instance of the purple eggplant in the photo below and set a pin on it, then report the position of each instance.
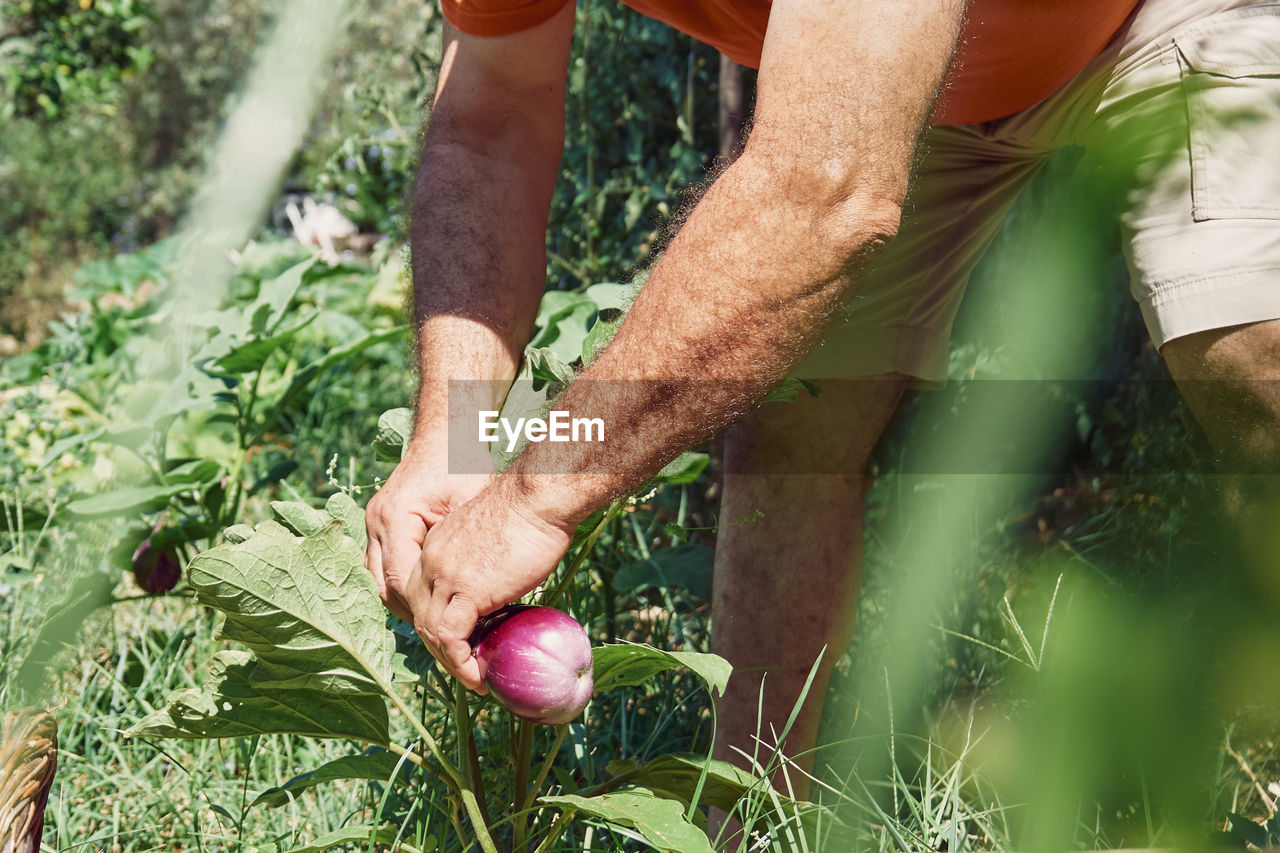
(536, 661)
(157, 570)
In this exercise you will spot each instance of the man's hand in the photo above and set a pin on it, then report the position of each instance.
(484, 555)
(419, 494)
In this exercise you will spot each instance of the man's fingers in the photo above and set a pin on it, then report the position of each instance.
(453, 618)
(468, 672)
(401, 545)
(373, 565)
(392, 599)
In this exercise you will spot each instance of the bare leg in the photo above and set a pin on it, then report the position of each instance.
(1231, 380)
(786, 584)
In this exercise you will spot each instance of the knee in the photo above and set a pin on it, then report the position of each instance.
(1230, 378)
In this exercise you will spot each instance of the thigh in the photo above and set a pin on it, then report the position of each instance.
(899, 320)
(1189, 137)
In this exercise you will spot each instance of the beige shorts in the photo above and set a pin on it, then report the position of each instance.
(1182, 109)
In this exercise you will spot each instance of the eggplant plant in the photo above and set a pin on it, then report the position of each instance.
(314, 657)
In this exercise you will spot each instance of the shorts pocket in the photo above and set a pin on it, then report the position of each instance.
(1230, 71)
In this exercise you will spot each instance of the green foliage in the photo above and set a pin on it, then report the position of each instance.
(363, 150)
(93, 437)
(632, 664)
(111, 168)
(1076, 591)
(58, 54)
(641, 129)
(314, 655)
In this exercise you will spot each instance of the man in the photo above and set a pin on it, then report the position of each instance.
(779, 248)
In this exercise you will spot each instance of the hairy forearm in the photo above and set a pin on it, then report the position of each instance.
(745, 290)
(478, 244)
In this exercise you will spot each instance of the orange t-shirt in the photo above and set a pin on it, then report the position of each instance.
(1013, 52)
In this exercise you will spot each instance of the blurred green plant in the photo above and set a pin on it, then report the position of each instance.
(58, 54)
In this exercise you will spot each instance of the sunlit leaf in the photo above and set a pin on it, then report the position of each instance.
(276, 294)
(302, 518)
(602, 332)
(685, 468)
(660, 822)
(612, 295)
(249, 356)
(239, 701)
(565, 320)
(629, 664)
(342, 507)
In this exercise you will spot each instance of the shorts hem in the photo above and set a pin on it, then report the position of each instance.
(1215, 302)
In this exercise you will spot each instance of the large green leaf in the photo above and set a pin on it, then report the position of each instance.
(239, 701)
(602, 331)
(301, 518)
(342, 507)
(275, 295)
(375, 765)
(659, 821)
(558, 304)
(685, 468)
(629, 664)
(564, 319)
(724, 784)
(127, 501)
(308, 610)
(612, 295)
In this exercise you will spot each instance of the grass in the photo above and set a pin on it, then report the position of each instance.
(114, 793)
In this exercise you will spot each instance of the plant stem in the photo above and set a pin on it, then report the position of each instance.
(415, 758)
(588, 544)
(523, 751)
(470, 781)
(244, 422)
(477, 821)
(472, 757)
